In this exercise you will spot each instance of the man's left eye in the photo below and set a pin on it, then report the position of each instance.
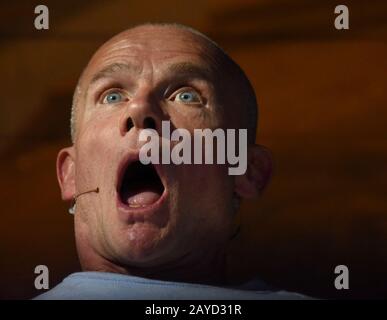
(188, 96)
(113, 97)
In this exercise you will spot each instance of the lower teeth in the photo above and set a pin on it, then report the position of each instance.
(136, 206)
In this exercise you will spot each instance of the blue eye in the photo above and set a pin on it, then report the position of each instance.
(188, 97)
(113, 97)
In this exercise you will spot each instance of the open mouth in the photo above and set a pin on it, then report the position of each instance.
(140, 185)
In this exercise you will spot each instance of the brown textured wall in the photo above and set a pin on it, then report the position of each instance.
(323, 103)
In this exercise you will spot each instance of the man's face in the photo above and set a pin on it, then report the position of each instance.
(144, 216)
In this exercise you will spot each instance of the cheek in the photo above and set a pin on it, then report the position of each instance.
(206, 196)
(95, 159)
(95, 144)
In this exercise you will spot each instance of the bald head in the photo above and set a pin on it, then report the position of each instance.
(238, 98)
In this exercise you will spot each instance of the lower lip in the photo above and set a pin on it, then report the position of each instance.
(143, 212)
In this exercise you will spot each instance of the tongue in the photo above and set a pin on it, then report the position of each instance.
(142, 198)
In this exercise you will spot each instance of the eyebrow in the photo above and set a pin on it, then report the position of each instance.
(190, 69)
(180, 69)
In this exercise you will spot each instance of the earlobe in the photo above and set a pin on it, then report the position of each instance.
(258, 173)
(65, 170)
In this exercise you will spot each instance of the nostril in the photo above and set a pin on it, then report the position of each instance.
(149, 123)
(129, 124)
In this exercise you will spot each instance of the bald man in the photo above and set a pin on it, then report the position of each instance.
(157, 231)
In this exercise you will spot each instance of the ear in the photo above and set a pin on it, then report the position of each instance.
(257, 176)
(65, 171)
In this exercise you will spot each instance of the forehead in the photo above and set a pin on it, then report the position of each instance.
(155, 47)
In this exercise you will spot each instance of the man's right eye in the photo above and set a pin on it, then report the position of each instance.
(113, 97)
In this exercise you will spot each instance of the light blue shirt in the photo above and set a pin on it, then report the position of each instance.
(113, 286)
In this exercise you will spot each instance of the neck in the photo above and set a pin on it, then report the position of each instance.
(207, 269)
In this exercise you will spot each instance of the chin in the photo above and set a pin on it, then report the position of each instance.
(143, 243)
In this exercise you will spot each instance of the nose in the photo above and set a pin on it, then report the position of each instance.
(141, 113)
(148, 123)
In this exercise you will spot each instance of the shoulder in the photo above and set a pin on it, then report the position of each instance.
(110, 286)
